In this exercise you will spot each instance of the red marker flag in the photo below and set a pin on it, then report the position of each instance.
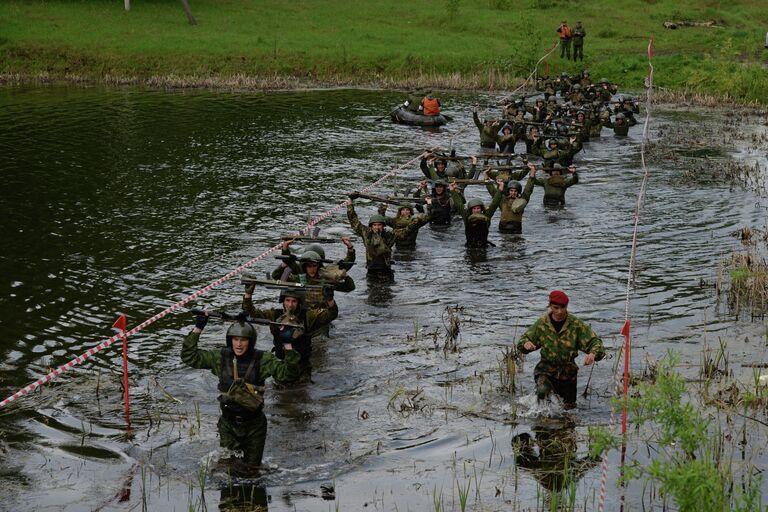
(121, 326)
(625, 333)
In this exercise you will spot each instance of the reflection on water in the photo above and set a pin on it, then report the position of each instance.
(128, 200)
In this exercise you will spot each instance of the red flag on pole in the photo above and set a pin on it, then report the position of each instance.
(625, 333)
(120, 325)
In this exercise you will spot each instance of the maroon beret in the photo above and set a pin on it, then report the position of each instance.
(558, 297)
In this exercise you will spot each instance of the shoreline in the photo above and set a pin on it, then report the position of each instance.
(283, 83)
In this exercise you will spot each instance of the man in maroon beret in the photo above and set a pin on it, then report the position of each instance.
(560, 337)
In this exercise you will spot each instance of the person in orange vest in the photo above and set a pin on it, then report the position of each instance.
(565, 40)
(430, 106)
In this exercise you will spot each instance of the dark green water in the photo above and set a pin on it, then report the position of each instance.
(127, 200)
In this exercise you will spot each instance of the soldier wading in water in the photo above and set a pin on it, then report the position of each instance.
(241, 370)
(560, 336)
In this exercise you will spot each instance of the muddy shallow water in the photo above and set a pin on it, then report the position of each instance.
(128, 200)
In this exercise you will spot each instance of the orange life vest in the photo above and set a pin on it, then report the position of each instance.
(565, 32)
(431, 106)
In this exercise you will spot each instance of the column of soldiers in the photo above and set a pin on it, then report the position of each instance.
(554, 128)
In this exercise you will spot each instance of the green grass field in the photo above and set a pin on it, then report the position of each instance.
(458, 43)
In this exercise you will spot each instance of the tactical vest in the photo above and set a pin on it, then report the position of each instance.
(247, 370)
(512, 209)
(476, 230)
(378, 250)
(293, 332)
(441, 212)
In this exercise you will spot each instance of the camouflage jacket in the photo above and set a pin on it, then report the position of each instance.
(512, 209)
(270, 366)
(378, 248)
(328, 274)
(487, 133)
(415, 222)
(555, 188)
(559, 350)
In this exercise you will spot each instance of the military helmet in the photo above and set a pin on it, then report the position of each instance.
(311, 257)
(441, 161)
(475, 202)
(296, 293)
(584, 72)
(440, 183)
(603, 80)
(243, 329)
(400, 208)
(576, 87)
(376, 219)
(564, 74)
(316, 248)
(562, 129)
(620, 115)
(513, 184)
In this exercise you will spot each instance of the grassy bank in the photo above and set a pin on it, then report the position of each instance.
(446, 43)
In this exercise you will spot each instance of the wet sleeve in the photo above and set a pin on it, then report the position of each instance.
(492, 189)
(196, 358)
(528, 190)
(266, 314)
(572, 179)
(345, 286)
(351, 255)
(320, 317)
(476, 119)
(354, 221)
(285, 370)
(494, 204)
(457, 204)
(425, 168)
(589, 342)
(529, 335)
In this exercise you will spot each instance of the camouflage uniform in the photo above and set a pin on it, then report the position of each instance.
(413, 102)
(476, 225)
(328, 274)
(554, 188)
(559, 351)
(304, 323)
(451, 171)
(378, 248)
(487, 133)
(577, 34)
(410, 226)
(620, 127)
(562, 156)
(511, 220)
(240, 428)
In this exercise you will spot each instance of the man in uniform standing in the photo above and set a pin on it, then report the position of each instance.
(578, 35)
(560, 336)
(241, 370)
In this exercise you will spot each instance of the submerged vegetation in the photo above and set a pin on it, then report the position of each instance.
(454, 44)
